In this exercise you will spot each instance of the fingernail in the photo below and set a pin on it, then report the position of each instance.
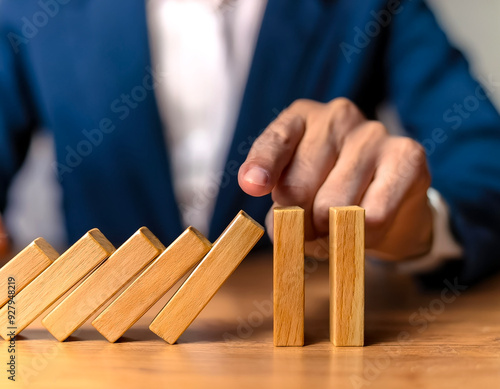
(257, 176)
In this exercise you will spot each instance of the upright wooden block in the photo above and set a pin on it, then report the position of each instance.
(227, 253)
(25, 267)
(103, 284)
(347, 275)
(57, 279)
(288, 276)
(187, 250)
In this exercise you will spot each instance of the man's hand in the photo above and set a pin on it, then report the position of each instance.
(318, 155)
(4, 241)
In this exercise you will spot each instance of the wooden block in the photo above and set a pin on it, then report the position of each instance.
(347, 275)
(288, 277)
(185, 252)
(25, 267)
(227, 253)
(57, 279)
(103, 284)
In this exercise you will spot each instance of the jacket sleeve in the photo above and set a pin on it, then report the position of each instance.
(17, 119)
(441, 105)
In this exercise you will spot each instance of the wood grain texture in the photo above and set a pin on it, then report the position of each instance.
(185, 252)
(227, 253)
(288, 277)
(103, 284)
(347, 275)
(26, 266)
(57, 279)
(230, 344)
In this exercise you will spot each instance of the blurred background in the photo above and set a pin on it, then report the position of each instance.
(35, 200)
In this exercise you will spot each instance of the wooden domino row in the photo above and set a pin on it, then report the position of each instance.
(41, 277)
(347, 259)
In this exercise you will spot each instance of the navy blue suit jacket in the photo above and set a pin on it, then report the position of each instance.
(82, 69)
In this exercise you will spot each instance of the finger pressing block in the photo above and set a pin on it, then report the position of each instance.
(288, 277)
(187, 250)
(103, 284)
(347, 271)
(25, 267)
(227, 253)
(57, 279)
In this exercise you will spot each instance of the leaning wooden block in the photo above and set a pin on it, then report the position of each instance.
(347, 275)
(288, 276)
(103, 284)
(227, 253)
(25, 267)
(187, 250)
(57, 279)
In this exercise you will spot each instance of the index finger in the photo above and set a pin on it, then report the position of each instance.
(271, 153)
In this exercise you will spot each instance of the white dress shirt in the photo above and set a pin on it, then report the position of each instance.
(204, 50)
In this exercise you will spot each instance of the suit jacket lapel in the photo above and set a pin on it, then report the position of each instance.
(281, 50)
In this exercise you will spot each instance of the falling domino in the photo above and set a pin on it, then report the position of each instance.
(347, 267)
(57, 279)
(25, 267)
(187, 250)
(103, 284)
(288, 276)
(227, 253)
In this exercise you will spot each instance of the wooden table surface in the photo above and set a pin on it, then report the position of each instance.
(436, 340)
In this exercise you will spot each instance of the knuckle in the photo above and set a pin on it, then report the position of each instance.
(375, 129)
(341, 104)
(415, 158)
(412, 149)
(279, 132)
(300, 103)
(340, 110)
(378, 212)
(342, 116)
(378, 219)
